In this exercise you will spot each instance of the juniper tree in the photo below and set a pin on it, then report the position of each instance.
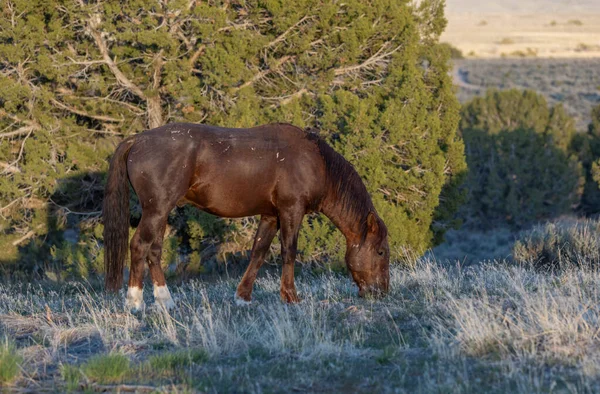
(520, 164)
(78, 76)
(587, 147)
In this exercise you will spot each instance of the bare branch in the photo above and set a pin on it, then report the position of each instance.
(264, 73)
(196, 55)
(235, 26)
(83, 113)
(24, 238)
(282, 36)
(283, 100)
(19, 131)
(103, 48)
(10, 204)
(378, 57)
(154, 110)
(9, 167)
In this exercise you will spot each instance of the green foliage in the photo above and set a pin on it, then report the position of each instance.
(587, 148)
(174, 362)
(455, 53)
(560, 245)
(109, 368)
(72, 376)
(518, 152)
(78, 77)
(9, 363)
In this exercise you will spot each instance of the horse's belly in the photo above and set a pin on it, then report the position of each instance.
(232, 199)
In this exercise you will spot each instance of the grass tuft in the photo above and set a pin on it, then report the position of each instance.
(9, 363)
(171, 362)
(386, 356)
(72, 376)
(108, 368)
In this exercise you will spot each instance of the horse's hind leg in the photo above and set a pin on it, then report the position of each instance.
(162, 296)
(150, 229)
(267, 228)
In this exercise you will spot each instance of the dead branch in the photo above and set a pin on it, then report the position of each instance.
(196, 55)
(282, 36)
(85, 114)
(19, 131)
(287, 99)
(264, 73)
(378, 57)
(9, 167)
(154, 110)
(103, 48)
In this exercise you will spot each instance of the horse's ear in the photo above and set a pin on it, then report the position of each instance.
(373, 223)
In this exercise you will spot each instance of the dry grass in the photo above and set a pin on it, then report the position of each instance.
(496, 327)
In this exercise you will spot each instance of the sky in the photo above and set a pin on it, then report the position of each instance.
(523, 6)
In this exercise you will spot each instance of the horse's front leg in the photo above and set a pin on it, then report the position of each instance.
(290, 226)
(267, 228)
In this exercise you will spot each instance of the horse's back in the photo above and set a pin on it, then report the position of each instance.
(230, 172)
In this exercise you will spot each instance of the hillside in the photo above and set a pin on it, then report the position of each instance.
(533, 28)
(573, 82)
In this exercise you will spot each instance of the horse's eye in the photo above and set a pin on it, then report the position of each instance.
(381, 252)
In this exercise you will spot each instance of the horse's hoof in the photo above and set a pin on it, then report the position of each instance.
(289, 298)
(162, 298)
(135, 300)
(241, 301)
(167, 305)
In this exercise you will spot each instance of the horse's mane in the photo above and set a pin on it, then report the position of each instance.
(346, 184)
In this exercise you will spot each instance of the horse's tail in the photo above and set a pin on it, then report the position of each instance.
(115, 212)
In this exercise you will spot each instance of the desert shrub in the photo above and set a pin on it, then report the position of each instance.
(518, 152)
(560, 244)
(506, 41)
(78, 78)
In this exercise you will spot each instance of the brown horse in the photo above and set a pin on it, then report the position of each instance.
(277, 171)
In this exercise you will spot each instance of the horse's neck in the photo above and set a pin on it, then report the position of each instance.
(343, 220)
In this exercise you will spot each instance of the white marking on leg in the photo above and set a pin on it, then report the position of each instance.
(135, 299)
(239, 301)
(162, 297)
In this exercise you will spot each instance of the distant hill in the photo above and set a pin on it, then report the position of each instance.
(523, 6)
(524, 28)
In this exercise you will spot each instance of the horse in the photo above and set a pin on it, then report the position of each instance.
(278, 171)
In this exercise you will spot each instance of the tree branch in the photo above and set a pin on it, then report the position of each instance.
(154, 109)
(283, 100)
(83, 113)
(372, 61)
(9, 167)
(196, 55)
(263, 73)
(103, 48)
(19, 131)
(282, 36)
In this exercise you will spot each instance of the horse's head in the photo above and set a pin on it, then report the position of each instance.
(369, 260)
